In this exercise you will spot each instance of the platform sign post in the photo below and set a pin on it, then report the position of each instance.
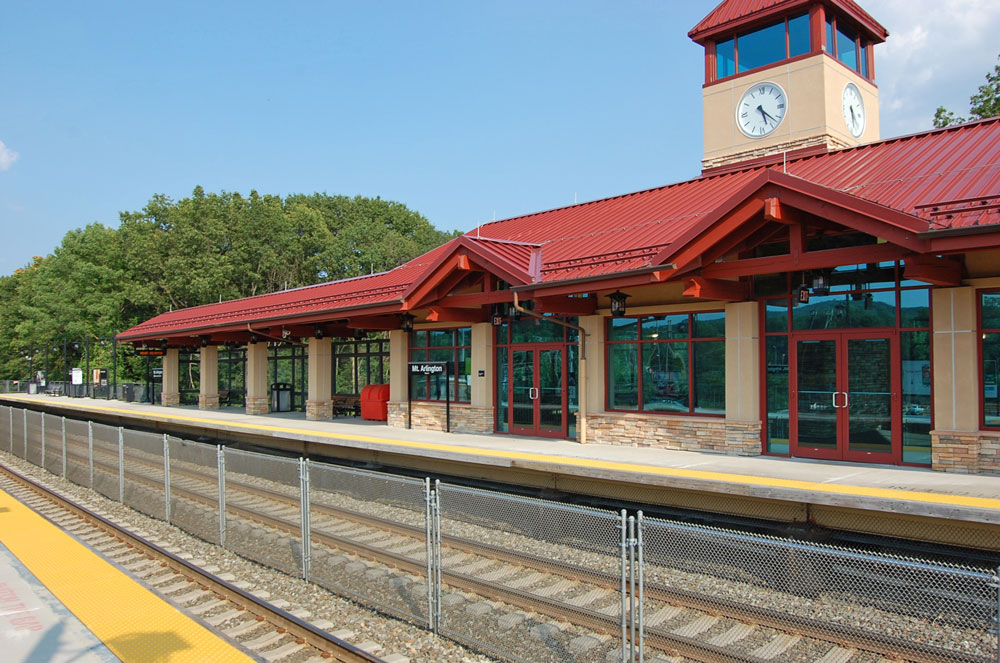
(430, 368)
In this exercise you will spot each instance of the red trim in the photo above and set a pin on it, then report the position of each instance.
(810, 260)
(981, 332)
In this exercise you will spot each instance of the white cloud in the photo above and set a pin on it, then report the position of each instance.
(7, 156)
(937, 54)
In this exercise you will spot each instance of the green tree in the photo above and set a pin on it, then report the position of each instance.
(983, 104)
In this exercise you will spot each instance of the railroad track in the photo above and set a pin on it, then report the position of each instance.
(255, 624)
(679, 622)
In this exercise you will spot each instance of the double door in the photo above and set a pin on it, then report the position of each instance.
(537, 390)
(845, 397)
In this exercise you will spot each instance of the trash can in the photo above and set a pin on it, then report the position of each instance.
(281, 397)
(32, 387)
(375, 402)
(127, 393)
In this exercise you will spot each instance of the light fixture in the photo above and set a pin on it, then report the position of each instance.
(204, 341)
(406, 321)
(618, 303)
(318, 331)
(821, 284)
(360, 334)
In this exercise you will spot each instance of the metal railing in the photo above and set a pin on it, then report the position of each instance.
(526, 579)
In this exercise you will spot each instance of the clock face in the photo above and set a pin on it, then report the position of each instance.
(854, 110)
(761, 109)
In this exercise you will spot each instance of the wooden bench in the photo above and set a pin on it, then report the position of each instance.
(346, 405)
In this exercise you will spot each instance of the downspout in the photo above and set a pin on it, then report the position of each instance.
(581, 371)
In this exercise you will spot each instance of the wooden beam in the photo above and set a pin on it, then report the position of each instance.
(566, 305)
(726, 291)
(695, 247)
(809, 260)
(442, 314)
(375, 322)
(933, 269)
(476, 298)
(458, 262)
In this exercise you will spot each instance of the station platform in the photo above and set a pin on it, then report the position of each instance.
(912, 503)
(62, 603)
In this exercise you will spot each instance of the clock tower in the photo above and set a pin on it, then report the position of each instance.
(789, 77)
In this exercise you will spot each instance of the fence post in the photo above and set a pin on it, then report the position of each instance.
(166, 476)
(306, 523)
(623, 545)
(90, 452)
(642, 586)
(437, 554)
(64, 447)
(631, 588)
(429, 539)
(43, 440)
(121, 465)
(221, 455)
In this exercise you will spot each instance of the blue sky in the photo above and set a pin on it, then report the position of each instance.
(465, 111)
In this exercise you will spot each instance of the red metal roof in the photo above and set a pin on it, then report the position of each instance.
(943, 179)
(731, 15)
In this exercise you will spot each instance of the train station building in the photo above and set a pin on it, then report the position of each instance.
(817, 292)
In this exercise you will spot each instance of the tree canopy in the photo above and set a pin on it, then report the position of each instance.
(197, 250)
(983, 104)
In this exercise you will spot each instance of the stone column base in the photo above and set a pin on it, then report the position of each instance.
(170, 398)
(208, 402)
(260, 405)
(319, 410)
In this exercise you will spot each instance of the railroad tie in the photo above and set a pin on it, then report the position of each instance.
(696, 627)
(193, 595)
(589, 597)
(208, 606)
(524, 581)
(265, 640)
(472, 567)
(500, 574)
(563, 585)
(284, 651)
(664, 614)
(837, 655)
(245, 627)
(224, 617)
(737, 633)
(781, 643)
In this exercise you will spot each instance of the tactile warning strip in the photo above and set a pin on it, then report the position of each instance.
(133, 622)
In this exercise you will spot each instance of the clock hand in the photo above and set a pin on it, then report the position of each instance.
(765, 114)
(854, 120)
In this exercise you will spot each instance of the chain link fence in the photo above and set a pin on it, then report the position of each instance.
(528, 580)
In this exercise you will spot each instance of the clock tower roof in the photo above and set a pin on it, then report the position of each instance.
(732, 15)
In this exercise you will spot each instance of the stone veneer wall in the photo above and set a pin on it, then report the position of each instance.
(208, 402)
(830, 141)
(741, 438)
(170, 398)
(258, 405)
(967, 453)
(465, 418)
(319, 410)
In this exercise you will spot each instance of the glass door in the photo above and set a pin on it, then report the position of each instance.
(537, 394)
(844, 404)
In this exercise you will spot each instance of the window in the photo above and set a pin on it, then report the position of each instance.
(359, 363)
(990, 352)
(847, 46)
(763, 46)
(667, 363)
(453, 345)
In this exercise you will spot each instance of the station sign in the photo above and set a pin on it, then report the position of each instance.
(149, 352)
(428, 367)
(157, 373)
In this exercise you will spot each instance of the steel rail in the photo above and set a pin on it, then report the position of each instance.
(338, 650)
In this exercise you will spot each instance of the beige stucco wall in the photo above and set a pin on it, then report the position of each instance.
(171, 394)
(482, 360)
(813, 87)
(742, 361)
(208, 378)
(399, 386)
(956, 388)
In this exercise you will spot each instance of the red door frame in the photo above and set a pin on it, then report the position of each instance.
(842, 451)
(536, 349)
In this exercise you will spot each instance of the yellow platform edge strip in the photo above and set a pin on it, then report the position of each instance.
(133, 622)
(703, 475)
